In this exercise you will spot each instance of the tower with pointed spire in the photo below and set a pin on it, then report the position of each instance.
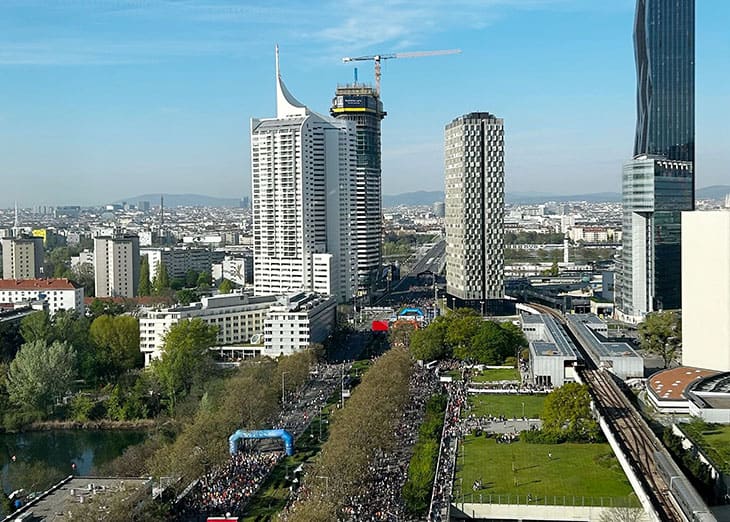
(302, 174)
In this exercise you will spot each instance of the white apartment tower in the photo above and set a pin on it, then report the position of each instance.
(22, 257)
(116, 266)
(302, 171)
(474, 160)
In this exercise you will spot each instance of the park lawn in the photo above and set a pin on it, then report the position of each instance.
(584, 471)
(509, 406)
(501, 374)
(715, 440)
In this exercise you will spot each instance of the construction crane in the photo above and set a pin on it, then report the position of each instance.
(377, 58)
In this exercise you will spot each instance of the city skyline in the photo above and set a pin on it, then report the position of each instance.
(157, 96)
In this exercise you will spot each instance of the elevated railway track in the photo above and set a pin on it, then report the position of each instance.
(672, 496)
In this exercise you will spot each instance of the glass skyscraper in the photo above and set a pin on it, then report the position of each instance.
(658, 183)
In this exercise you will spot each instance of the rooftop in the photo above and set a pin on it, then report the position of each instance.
(670, 385)
(37, 284)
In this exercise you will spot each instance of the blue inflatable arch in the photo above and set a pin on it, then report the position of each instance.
(261, 434)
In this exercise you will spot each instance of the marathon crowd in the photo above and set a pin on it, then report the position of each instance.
(229, 488)
(380, 497)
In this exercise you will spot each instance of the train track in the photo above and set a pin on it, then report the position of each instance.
(639, 443)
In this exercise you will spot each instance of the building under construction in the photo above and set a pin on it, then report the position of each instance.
(361, 103)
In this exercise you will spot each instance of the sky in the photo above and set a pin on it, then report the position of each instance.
(106, 99)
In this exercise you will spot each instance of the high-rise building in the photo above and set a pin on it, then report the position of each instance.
(22, 257)
(655, 191)
(302, 171)
(116, 266)
(706, 289)
(361, 104)
(474, 158)
(658, 184)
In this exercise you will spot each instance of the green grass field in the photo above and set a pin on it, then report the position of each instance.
(510, 406)
(714, 439)
(502, 374)
(583, 473)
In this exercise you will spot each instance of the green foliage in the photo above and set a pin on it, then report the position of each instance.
(191, 278)
(533, 238)
(661, 334)
(117, 341)
(422, 467)
(105, 306)
(145, 286)
(82, 408)
(226, 287)
(10, 340)
(161, 281)
(567, 413)
(429, 343)
(205, 279)
(36, 327)
(185, 357)
(186, 296)
(40, 375)
(699, 472)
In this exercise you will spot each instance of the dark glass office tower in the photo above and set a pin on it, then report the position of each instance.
(361, 104)
(659, 182)
(664, 45)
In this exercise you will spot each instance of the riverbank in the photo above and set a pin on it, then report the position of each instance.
(103, 424)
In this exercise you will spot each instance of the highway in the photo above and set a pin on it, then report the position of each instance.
(403, 291)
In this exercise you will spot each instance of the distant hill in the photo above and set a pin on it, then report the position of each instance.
(713, 192)
(412, 199)
(183, 200)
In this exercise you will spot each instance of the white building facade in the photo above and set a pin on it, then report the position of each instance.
(178, 261)
(116, 266)
(706, 289)
(238, 318)
(297, 321)
(58, 294)
(474, 161)
(302, 170)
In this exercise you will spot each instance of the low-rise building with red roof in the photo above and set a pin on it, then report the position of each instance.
(58, 294)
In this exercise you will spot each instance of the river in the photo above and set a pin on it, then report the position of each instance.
(53, 453)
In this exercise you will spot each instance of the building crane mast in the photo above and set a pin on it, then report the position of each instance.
(377, 58)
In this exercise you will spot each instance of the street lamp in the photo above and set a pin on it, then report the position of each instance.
(282, 387)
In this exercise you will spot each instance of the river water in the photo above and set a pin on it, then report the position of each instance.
(55, 452)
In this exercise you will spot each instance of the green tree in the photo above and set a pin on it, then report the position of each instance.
(145, 287)
(40, 375)
(83, 275)
(191, 278)
(185, 357)
(161, 282)
(464, 323)
(117, 339)
(36, 327)
(567, 413)
(204, 279)
(226, 287)
(429, 343)
(661, 334)
(186, 296)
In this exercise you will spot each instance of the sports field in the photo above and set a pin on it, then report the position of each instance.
(556, 474)
(508, 406)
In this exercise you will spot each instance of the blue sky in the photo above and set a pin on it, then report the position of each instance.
(105, 99)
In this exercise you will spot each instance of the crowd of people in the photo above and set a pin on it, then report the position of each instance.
(442, 486)
(228, 488)
(380, 495)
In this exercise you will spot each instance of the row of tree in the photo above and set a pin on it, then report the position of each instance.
(464, 335)
(359, 433)
(161, 284)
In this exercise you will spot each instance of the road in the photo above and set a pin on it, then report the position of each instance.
(410, 288)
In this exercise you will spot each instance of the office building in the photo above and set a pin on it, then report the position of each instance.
(239, 319)
(116, 266)
(361, 104)
(474, 158)
(706, 289)
(55, 294)
(655, 191)
(297, 321)
(22, 257)
(302, 170)
(650, 277)
(178, 261)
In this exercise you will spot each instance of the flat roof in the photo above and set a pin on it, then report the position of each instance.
(670, 385)
(556, 343)
(52, 504)
(599, 348)
(531, 318)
